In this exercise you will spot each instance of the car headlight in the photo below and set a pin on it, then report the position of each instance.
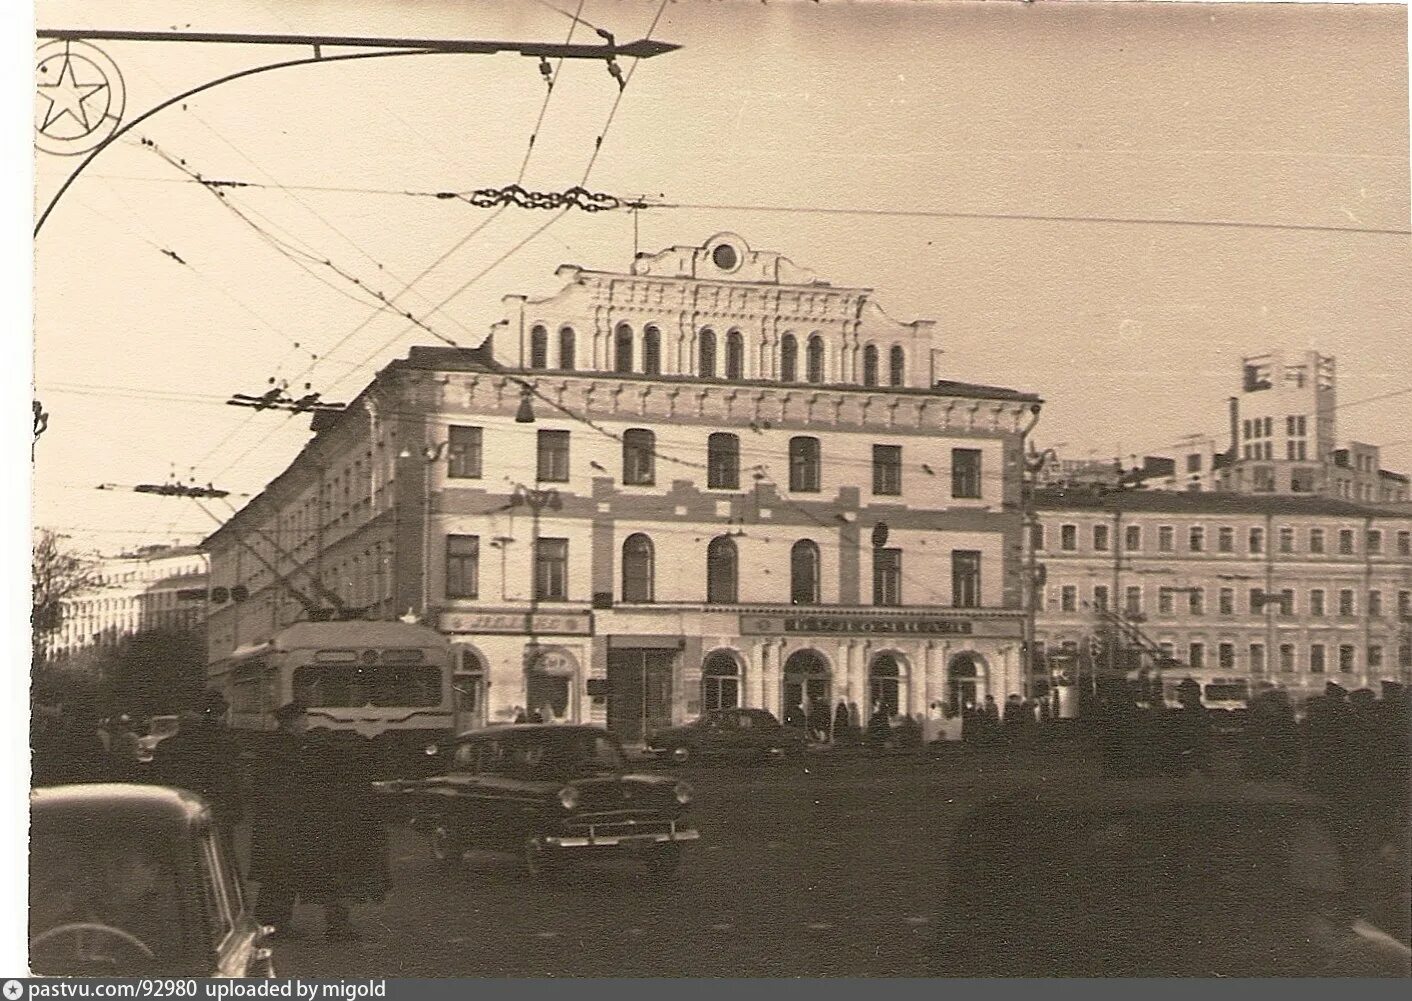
(432, 750)
(568, 797)
(682, 791)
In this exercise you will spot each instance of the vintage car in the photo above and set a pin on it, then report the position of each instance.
(1160, 877)
(546, 792)
(750, 733)
(132, 880)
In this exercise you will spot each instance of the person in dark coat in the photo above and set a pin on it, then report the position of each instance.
(277, 845)
(203, 758)
(879, 727)
(990, 728)
(1190, 729)
(842, 730)
(122, 750)
(819, 720)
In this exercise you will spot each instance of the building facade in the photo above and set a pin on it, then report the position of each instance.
(1295, 591)
(714, 480)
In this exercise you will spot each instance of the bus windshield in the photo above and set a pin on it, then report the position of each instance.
(352, 686)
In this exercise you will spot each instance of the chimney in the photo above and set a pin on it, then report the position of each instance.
(1235, 427)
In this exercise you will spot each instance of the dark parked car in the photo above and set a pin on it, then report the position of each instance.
(1154, 878)
(545, 792)
(729, 733)
(131, 880)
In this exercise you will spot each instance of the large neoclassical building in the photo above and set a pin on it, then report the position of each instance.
(713, 480)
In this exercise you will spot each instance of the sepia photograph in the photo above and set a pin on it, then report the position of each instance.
(719, 489)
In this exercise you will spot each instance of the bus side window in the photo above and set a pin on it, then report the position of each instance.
(467, 760)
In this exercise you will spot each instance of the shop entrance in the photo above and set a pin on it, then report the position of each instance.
(887, 685)
(965, 677)
(468, 693)
(807, 686)
(639, 692)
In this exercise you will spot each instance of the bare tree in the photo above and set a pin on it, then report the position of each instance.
(55, 575)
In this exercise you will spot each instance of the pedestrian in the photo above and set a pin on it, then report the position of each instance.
(819, 720)
(879, 727)
(122, 750)
(277, 836)
(990, 729)
(842, 731)
(203, 758)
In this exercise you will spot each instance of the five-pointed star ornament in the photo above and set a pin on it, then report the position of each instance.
(67, 96)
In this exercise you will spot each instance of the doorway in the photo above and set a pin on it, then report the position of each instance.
(468, 693)
(807, 685)
(639, 692)
(886, 685)
(965, 674)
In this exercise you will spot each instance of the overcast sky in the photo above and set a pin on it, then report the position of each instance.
(1132, 331)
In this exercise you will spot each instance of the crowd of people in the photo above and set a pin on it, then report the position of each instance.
(315, 831)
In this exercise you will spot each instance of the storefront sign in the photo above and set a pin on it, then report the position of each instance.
(861, 625)
(540, 623)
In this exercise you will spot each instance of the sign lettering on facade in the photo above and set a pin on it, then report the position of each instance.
(861, 625)
(515, 622)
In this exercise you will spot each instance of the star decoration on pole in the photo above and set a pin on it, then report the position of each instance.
(67, 96)
(78, 97)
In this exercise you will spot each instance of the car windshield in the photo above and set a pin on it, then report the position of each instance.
(355, 686)
(1196, 890)
(552, 754)
(103, 898)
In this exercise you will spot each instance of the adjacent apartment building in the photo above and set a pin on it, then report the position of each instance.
(712, 480)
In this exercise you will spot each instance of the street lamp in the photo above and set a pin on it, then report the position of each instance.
(430, 455)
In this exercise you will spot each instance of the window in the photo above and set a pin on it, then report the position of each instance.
(1100, 538)
(1196, 539)
(553, 456)
(1286, 658)
(1226, 601)
(1037, 537)
(464, 453)
(1316, 658)
(1133, 538)
(814, 359)
(1196, 655)
(1225, 656)
(651, 351)
(1286, 540)
(1100, 597)
(1257, 540)
(566, 349)
(622, 349)
(804, 465)
(1404, 543)
(887, 576)
(706, 354)
(463, 566)
(639, 450)
(870, 365)
(1345, 541)
(887, 470)
(1345, 658)
(1193, 462)
(1166, 539)
(966, 472)
(720, 683)
(1404, 603)
(1345, 602)
(723, 461)
(1225, 540)
(1375, 658)
(1196, 601)
(1133, 601)
(1263, 476)
(1375, 604)
(1316, 602)
(1164, 602)
(789, 359)
(539, 347)
(1316, 540)
(721, 571)
(1257, 658)
(735, 355)
(551, 570)
(1404, 655)
(1068, 598)
(637, 569)
(896, 366)
(804, 573)
(1375, 541)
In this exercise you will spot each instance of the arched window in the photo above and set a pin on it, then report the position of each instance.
(804, 573)
(622, 349)
(637, 569)
(639, 450)
(870, 365)
(566, 349)
(723, 461)
(720, 682)
(814, 359)
(706, 354)
(884, 685)
(896, 366)
(651, 350)
(539, 347)
(721, 571)
(789, 358)
(735, 355)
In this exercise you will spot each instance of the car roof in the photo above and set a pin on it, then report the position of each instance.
(148, 804)
(495, 731)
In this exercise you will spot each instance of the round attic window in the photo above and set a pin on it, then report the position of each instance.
(725, 257)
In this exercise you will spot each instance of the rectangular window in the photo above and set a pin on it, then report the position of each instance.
(1345, 541)
(1164, 602)
(1100, 597)
(1316, 540)
(887, 470)
(1068, 598)
(1286, 658)
(965, 578)
(1316, 602)
(804, 473)
(1196, 539)
(1100, 538)
(1225, 654)
(1068, 538)
(1227, 601)
(639, 454)
(1316, 658)
(966, 472)
(1375, 604)
(463, 459)
(1133, 542)
(1404, 543)
(1257, 540)
(1257, 658)
(1286, 601)
(723, 461)
(1165, 537)
(1037, 537)
(1286, 540)
(1345, 658)
(1193, 463)
(887, 576)
(1225, 540)
(1404, 655)
(1133, 601)
(463, 566)
(1404, 603)
(1345, 602)
(1375, 541)
(1257, 600)
(1196, 655)
(553, 456)
(1196, 601)
(551, 570)
(1375, 658)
